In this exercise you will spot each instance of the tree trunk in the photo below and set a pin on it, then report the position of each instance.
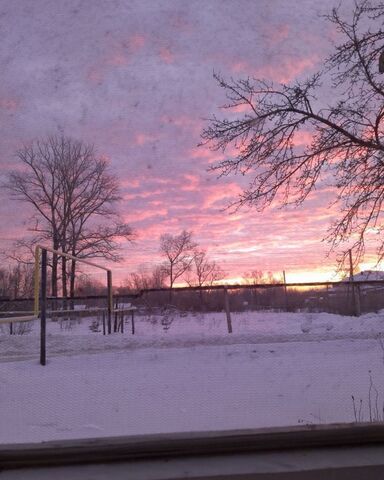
(72, 282)
(64, 282)
(171, 283)
(54, 274)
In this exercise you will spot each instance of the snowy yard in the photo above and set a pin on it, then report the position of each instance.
(276, 369)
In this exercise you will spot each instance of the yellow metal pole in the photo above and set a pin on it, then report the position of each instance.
(37, 281)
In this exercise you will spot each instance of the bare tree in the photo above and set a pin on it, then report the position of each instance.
(204, 271)
(144, 280)
(179, 253)
(74, 196)
(257, 277)
(158, 277)
(16, 281)
(346, 146)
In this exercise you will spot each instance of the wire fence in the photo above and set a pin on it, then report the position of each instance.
(342, 297)
(152, 309)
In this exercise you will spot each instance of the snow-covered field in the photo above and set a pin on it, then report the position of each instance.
(186, 373)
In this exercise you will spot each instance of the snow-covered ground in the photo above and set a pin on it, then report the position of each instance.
(187, 373)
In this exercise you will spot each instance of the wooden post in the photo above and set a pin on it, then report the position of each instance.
(328, 300)
(116, 327)
(115, 324)
(133, 322)
(285, 292)
(110, 301)
(103, 323)
(357, 300)
(227, 310)
(355, 293)
(43, 303)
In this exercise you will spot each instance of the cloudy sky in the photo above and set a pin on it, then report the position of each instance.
(134, 77)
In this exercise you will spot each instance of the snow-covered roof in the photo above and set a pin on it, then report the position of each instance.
(366, 275)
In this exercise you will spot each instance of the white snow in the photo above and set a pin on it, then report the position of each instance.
(275, 369)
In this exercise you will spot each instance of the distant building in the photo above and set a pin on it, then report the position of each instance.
(366, 276)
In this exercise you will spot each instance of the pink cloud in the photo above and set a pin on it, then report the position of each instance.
(143, 138)
(289, 70)
(130, 183)
(302, 138)
(117, 59)
(244, 108)
(166, 55)
(143, 194)
(192, 183)
(285, 72)
(120, 54)
(278, 34)
(180, 22)
(9, 104)
(95, 75)
(204, 152)
(184, 122)
(219, 193)
(145, 215)
(136, 42)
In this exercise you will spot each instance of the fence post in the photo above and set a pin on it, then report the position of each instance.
(133, 322)
(43, 304)
(227, 310)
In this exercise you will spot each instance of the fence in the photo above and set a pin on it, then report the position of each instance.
(347, 298)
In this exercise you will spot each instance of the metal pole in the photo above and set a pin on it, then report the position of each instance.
(43, 303)
(36, 281)
(110, 301)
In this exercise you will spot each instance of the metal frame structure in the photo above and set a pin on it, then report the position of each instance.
(38, 254)
(40, 294)
(40, 290)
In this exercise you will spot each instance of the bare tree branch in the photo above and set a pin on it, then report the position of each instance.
(345, 146)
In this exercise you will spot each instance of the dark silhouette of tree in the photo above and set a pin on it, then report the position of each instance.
(144, 280)
(74, 197)
(257, 277)
(16, 281)
(204, 272)
(178, 251)
(341, 110)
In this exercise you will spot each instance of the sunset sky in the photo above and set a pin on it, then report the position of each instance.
(135, 78)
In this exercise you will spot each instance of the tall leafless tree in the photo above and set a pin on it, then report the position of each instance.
(178, 251)
(74, 197)
(341, 110)
(143, 280)
(256, 277)
(205, 272)
(16, 281)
